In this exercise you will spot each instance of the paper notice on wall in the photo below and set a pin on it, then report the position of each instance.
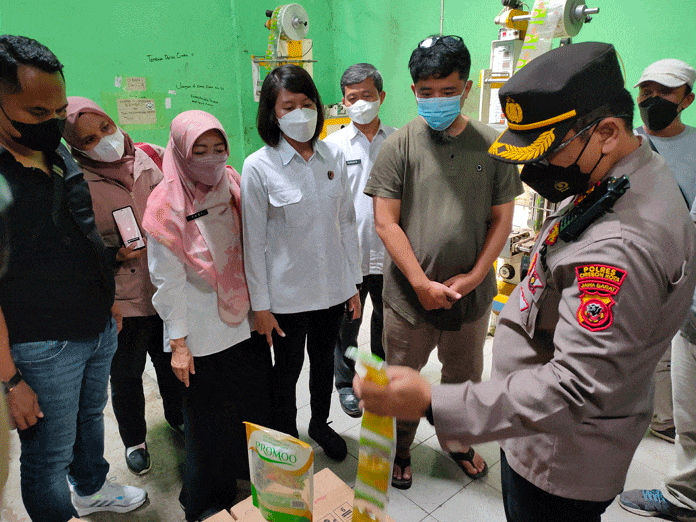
(136, 111)
(546, 15)
(167, 103)
(136, 84)
(117, 82)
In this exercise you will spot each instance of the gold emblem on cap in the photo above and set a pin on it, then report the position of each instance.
(561, 186)
(513, 111)
(530, 152)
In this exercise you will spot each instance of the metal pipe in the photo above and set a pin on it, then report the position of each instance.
(442, 14)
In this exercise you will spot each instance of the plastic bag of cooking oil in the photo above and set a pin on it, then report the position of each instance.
(282, 472)
(377, 447)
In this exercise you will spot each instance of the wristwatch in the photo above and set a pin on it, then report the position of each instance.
(13, 382)
(429, 414)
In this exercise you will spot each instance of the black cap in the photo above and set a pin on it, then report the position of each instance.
(544, 98)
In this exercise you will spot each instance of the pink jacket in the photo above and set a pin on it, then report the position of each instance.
(133, 287)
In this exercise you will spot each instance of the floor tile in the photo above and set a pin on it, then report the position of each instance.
(435, 478)
(402, 509)
(477, 501)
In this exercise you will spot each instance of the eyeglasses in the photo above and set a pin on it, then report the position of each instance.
(565, 143)
(432, 40)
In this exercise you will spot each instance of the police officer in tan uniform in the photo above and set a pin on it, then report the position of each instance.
(610, 281)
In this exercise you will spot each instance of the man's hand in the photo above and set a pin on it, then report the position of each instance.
(182, 360)
(463, 284)
(23, 406)
(118, 316)
(406, 397)
(128, 253)
(354, 307)
(434, 295)
(265, 323)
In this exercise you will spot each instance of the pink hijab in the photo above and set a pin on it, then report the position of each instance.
(211, 243)
(121, 170)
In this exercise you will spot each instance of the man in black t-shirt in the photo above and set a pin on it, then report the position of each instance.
(57, 336)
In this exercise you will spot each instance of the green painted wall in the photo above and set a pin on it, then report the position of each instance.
(385, 32)
(203, 51)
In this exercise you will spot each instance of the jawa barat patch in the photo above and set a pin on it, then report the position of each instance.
(598, 285)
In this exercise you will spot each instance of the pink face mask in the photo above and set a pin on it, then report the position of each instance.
(207, 169)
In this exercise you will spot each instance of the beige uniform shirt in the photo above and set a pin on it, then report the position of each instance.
(134, 289)
(576, 344)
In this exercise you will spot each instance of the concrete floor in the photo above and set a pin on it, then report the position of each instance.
(440, 492)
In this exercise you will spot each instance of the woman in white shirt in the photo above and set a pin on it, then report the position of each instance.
(301, 251)
(195, 258)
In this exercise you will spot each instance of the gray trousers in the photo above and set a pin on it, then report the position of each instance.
(460, 352)
(680, 485)
(663, 416)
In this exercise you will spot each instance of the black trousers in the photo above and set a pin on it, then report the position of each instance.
(228, 388)
(524, 502)
(344, 368)
(138, 337)
(319, 328)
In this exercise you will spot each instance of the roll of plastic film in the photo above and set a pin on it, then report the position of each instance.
(545, 18)
(570, 25)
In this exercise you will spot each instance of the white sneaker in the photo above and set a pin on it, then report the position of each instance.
(111, 497)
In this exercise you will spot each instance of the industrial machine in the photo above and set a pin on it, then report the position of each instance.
(288, 25)
(523, 35)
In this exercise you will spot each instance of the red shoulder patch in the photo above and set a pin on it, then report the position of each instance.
(552, 236)
(598, 284)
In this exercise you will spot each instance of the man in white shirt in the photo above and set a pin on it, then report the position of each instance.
(664, 92)
(363, 94)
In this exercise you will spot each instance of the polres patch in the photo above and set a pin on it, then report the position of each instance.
(598, 284)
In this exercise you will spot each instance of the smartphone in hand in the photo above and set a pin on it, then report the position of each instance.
(128, 227)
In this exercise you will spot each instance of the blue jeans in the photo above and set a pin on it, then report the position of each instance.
(70, 379)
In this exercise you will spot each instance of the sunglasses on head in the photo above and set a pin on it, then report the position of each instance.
(432, 40)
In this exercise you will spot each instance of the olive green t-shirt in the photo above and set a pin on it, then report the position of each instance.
(446, 192)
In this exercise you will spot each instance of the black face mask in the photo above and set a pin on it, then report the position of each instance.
(657, 113)
(557, 183)
(43, 137)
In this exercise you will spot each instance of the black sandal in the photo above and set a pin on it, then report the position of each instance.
(403, 463)
(468, 457)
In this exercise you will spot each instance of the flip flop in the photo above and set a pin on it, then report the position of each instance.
(468, 457)
(403, 463)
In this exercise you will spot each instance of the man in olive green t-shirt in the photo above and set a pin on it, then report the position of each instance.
(443, 209)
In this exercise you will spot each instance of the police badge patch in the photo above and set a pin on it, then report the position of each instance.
(598, 284)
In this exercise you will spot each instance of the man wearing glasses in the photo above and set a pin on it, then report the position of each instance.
(443, 209)
(610, 281)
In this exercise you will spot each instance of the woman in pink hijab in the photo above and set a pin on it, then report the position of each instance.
(121, 175)
(194, 231)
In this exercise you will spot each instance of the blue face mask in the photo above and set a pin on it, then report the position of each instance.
(439, 113)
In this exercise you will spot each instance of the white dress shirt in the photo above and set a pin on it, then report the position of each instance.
(188, 305)
(301, 249)
(360, 155)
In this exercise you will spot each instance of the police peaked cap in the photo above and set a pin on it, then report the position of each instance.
(544, 98)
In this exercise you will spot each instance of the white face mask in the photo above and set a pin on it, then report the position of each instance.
(299, 125)
(109, 149)
(363, 111)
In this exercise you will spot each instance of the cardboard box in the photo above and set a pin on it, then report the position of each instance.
(222, 516)
(333, 501)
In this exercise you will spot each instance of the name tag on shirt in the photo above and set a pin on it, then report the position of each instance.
(197, 215)
(353, 162)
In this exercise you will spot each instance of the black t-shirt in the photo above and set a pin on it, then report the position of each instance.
(54, 288)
